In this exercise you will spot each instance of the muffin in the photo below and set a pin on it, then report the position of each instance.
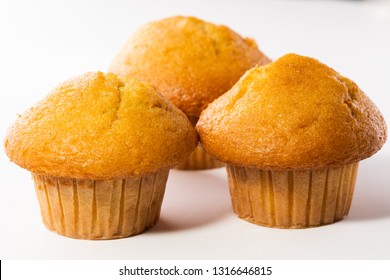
(292, 134)
(100, 149)
(191, 62)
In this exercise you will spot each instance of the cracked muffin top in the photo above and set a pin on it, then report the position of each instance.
(188, 60)
(98, 126)
(295, 113)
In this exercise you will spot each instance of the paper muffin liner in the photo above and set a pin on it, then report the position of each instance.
(292, 199)
(98, 209)
(199, 159)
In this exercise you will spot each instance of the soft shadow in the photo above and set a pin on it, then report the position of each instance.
(371, 199)
(194, 199)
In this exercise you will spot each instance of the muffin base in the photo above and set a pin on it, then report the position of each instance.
(98, 209)
(292, 199)
(199, 160)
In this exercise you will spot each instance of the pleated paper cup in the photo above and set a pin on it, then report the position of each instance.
(95, 209)
(292, 199)
(199, 159)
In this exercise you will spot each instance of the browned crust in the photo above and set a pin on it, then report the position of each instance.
(97, 126)
(295, 113)
(189, 61)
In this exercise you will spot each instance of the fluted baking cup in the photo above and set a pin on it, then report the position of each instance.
(292, 199)
(198, 160)
(98, 209)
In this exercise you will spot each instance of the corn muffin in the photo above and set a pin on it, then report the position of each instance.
(100, 148)
(191, 62)
(292, 134)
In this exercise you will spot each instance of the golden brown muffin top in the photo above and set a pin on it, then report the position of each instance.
(97, 126)
(189, 61)
(294, 113)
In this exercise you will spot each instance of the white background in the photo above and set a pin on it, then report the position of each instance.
(45, 42)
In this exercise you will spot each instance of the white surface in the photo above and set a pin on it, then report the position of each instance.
(43, 43)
